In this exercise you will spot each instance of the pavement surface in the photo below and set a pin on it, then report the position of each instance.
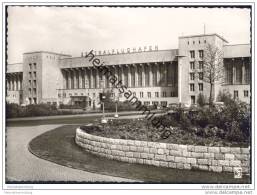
(21, 165)
(108, 114)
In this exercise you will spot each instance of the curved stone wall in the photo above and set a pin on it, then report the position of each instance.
(217, 159)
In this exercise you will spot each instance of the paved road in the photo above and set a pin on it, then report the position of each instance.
(109, 114)
(24, 166)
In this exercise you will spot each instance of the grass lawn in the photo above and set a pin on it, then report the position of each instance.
(59, 146)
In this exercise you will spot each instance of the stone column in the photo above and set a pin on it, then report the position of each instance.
(158, 77)
(243, 71)
(92, 84)
(150, 75)
(129, 76)
(97, 78)
(75, 79)
(80, 78)
(165, 71)
(15, 83)
(143, 75)
(87, 78)
(69, 79)
(7, 84)
(18, 82)
(234, 71)
(122, 74)
(136, 75)
(12, 83)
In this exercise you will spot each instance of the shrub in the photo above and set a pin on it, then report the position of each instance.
(201, 100)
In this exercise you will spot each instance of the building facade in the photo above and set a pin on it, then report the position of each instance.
(156, 77)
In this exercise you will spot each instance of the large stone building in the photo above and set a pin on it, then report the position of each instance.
(155, 77)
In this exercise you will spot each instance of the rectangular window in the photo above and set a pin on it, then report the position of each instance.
(192, 87)
(200, 75)
(149, 94)
(29, 82)
(146, 103)
(30, 75)
(34, 91)
(192, 65)
(192, 76)
(164, 94)
(35, 65)
(192, 54)
(200, 53)
(34, 83)
(30, 66)
(35, 74)
(156, 94)
(155, 103)
(200, 65)
(235, 94)
(200, 86)
(164, 103)
(30, 91)
(192, 99)
(141, 94)
(246, 93)
(134, 93)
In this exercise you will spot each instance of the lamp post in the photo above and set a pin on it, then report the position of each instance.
(116, 105)
(102, 97)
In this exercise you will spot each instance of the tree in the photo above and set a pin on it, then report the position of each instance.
(213, 69)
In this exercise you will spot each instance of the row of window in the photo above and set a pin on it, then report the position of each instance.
(34, 74)
(192, 86)
(200, 65)
(141, 94)
(192, 76)
(34, 90)
(195, 42)
(246, 93)
(34, 83)
(33, 66)
(200, 54)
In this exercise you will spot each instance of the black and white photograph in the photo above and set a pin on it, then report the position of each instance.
(128, 96)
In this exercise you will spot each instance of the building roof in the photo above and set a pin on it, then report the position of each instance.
(127, 58)
(12, 68)
(202, 35)
(49, 52)
(237, 51)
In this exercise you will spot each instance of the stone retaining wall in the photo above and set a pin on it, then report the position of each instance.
(217, 159)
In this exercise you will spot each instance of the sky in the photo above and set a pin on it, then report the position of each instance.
(72, 30)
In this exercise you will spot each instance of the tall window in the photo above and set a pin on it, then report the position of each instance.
(192, 87)
(200, 65)
(30, 66)
(149, 94)
(35, 65)
(235, 94)
(141, 94)
(246, 93)
(192, 65)
(35, 74)
(192, 54)
(200, 53)
(247, 74)
(156, 94)
(192, 76)
(200, 75)
(164, 94)
(200, 86)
